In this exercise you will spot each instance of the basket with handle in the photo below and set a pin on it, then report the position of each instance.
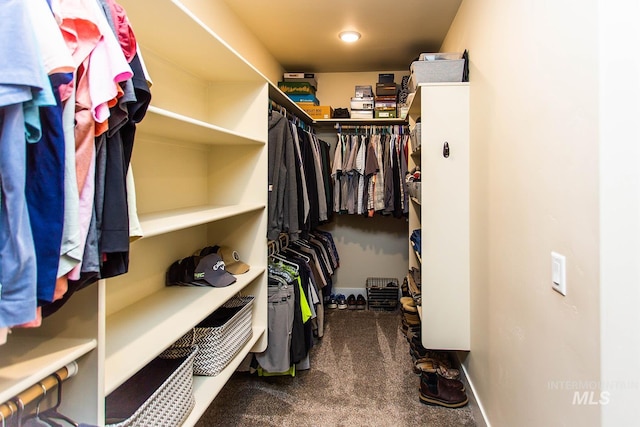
(220, 336)
(171, 402)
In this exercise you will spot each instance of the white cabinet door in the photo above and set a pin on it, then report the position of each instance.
(445, 216)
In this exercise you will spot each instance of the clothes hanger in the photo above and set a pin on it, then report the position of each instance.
(34, 420)
(302, 243)
(286, 261)
(304, 257)
(20, 405)
(53, 412)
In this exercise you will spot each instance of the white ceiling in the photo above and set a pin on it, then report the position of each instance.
(303, 34)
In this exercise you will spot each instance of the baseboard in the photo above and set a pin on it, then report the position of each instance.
(479, 414)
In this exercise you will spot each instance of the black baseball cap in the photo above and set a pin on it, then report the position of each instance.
(211, 269)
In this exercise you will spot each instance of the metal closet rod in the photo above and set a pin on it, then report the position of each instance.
(34, 392)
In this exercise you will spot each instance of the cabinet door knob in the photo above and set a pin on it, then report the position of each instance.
(445, 149)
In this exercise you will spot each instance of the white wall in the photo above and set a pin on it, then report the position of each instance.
(534, 176)
(619, 211)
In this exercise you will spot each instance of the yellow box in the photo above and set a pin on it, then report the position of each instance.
(317, 111)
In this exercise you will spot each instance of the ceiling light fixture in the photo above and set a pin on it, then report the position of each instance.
(349, 36)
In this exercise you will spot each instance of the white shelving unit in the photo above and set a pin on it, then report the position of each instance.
(200, 169)
(443, 214)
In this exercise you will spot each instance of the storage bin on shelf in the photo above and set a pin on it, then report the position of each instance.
(220, 336)
(160, 394)
(382, 293)
(436, 68)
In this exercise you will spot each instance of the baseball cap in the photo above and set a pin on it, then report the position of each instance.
(232, 260)
(211, 269)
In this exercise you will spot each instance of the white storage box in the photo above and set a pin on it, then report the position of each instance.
(362, 114)
(436, 71)
(366, 103)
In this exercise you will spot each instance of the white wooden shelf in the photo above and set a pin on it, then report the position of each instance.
(173, 31)
(33, 358)
(165, 222)
(207, 388)
(174, 126)
(138, 333)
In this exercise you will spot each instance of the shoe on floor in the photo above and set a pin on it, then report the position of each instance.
(351, 302)
(361, 303)
(433, 391)
(342, 301)
(333, 302)
(455, 384)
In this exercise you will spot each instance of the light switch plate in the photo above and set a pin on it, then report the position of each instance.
(559, 273)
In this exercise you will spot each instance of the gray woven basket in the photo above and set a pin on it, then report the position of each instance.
(217, 345)
(173, 401)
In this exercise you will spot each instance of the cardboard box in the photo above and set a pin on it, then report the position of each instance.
(364, 91)
(317, 111)
(362, 114)
(362, 103)
(386, 89)
(385, 102)
(297, 88)
(304, 98)
(299, 75)
(385, 113)
(386, 78)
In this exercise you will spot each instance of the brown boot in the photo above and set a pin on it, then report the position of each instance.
(433, 391)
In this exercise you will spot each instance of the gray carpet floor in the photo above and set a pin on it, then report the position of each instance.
(361, 375)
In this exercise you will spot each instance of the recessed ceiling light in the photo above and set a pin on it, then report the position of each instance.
(349, 36)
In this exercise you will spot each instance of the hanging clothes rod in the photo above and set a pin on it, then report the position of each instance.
(34, 392)
(373, 128)
(300, 121)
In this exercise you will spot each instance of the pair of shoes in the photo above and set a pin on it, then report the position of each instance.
(351, 302)
(429, 365)
(361, 303)
(342, 301)
(435, 390)
(333, 302)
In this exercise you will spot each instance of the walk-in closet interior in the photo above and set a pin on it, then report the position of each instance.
(173, 214)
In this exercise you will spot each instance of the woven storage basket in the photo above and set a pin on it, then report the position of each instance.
(220, 336)
(170, 404)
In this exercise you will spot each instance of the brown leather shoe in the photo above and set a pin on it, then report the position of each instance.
(456, 384)
(434, 392)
